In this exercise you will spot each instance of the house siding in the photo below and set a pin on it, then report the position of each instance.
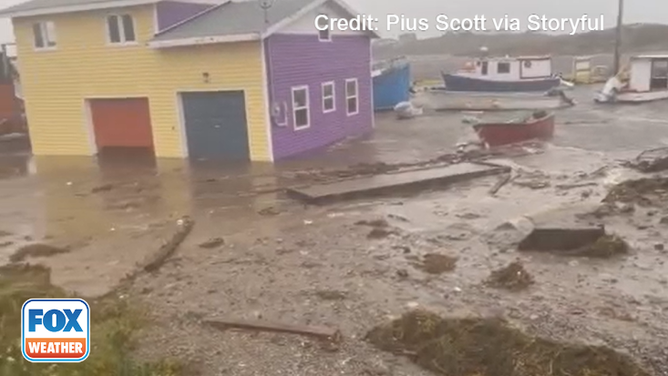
(56, 83)
(301, 59)
(173, 12)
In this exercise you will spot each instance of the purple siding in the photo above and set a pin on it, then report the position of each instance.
(299, 59)
(172, 12)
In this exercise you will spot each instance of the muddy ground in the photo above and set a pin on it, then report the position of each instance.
(278, 260)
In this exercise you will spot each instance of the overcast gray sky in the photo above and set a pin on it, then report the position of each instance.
(654, 11)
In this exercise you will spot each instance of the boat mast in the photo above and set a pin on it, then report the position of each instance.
(618, 37)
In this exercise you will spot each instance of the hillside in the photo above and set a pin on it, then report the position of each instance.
(637, 38)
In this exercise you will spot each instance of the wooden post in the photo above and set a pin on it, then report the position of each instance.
(618, 37)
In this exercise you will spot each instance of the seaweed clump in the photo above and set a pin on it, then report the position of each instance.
(491, 347)
(512, 277)
(606, 246)
(639, 191)
(435, 263)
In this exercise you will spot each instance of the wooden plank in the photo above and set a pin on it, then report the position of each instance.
(393, 184)
(323, 333)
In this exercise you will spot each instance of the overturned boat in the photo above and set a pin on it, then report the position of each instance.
(645, 80)
(441, 99)
(538, 126)
(521, 74)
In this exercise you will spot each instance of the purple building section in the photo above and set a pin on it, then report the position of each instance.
(301, 59)
(172, 12)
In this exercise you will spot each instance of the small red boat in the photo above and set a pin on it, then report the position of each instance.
(539, 126)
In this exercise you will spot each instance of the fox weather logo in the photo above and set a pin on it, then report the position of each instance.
(55, 330)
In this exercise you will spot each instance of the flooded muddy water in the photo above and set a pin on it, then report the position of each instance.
(275, 256)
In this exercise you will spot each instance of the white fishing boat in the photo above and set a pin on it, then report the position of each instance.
(644, 80)
(505, 74)
(440, 99)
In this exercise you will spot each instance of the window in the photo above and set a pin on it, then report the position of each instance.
(324, 35)
(44, 34)
(352, 97)
(503, 68)
(328, 103)
(121, 29)
(300, 107)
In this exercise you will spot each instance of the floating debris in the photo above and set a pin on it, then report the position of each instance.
(331, 294)
(212, 243)
(373, 223)
(434, 263)
(512, 277)
(36, 250)
(491, 347)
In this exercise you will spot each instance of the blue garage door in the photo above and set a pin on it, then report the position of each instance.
(215, 124)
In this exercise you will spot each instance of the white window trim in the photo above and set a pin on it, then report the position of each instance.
(333, 96)
(121, 30)
(356, 96)
(295, 109)
(44, 30)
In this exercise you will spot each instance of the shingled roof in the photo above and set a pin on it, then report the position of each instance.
(241, 20)
(36, 7)
(235, 18)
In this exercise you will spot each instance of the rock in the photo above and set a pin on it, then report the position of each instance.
(561, 239)
(659, 247)
(664, 221)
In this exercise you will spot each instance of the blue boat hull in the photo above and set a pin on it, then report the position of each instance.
(460, 83)
(391, 88)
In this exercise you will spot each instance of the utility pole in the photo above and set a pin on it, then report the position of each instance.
(618, 37)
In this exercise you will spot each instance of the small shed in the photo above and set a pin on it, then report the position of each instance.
(649, 73)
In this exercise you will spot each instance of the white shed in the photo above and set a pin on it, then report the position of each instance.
(649, 73)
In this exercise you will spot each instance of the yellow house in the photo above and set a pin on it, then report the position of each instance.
(100, 74)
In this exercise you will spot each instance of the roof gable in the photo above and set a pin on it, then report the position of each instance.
(44, 7)
(240, 21)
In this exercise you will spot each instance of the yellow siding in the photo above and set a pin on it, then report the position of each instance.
(55, 83)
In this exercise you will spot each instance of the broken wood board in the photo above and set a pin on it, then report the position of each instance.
(323, 333)
(394, 184)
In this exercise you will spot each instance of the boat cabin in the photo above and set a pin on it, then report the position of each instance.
(649, 73)
(509, 68)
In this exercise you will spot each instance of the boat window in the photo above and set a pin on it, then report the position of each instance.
(485, 68)
(527, 64)
(503, 68)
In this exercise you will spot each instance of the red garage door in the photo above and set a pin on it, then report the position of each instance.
(122, 122)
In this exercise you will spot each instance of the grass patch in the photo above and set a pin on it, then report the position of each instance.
(490, 347)
(114, 321)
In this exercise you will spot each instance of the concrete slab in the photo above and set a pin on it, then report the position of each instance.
(396, 183)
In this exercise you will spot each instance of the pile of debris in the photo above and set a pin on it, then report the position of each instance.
(491, 347)
(653, 160)
(645, 192)
(512, 277)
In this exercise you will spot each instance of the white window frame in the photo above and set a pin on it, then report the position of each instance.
(307, 106)
(333, 96)
(356, 96)
(329, 34)
(121, 30)
(46, 28)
